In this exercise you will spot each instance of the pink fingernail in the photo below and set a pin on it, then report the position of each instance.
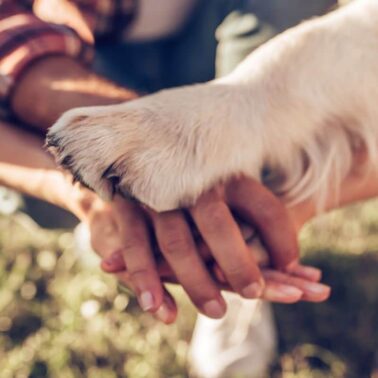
(115, 258)
(283, 292)
(146, 301)
(163, 313)
(214, 309)
(308, 272)
(293, 265)
(316, 288)
(252, 291)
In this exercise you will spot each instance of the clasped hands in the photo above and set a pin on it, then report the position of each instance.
(204, 249)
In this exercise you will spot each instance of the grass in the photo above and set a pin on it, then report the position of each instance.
(60, 319)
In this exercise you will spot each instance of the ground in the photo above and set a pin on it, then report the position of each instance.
(61, 319)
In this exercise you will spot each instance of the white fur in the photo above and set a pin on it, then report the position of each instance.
(298, 105)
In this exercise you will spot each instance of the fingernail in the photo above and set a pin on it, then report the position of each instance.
(146, 301)
(308, 272)
(282, 292)
(316, 288)
(115, 258)
(253, 290)
(214, 309)
(293, 265)
(163, 313)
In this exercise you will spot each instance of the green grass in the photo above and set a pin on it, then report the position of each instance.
(60, 319)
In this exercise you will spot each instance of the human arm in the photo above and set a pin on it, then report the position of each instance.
(54, 30)
(55, 84)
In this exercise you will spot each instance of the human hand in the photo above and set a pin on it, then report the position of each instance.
(222, 259)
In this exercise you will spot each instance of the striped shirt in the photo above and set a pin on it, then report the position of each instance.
(31, 29)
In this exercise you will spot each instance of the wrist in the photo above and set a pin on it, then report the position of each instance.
(76, 199)
(301, 213)
(360, 184)
(56, 187)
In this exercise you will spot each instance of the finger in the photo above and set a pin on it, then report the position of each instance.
(282, 288)
(219, 275)
(312, 291)
(273, 291)
(222, 235)
(294, 268)
(167, 312)
(177, 245)
(281, 293)
(258, 206)
(304, 271)
(104, 238)
(138, 255)
(114, 263)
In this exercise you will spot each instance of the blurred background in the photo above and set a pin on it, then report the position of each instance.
(61, 317)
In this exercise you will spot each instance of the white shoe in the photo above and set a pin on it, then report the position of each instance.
(242, 344)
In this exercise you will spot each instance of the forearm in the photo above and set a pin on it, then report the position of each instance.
(47, 89)
(361, 184)
(56, 84)
(26, 167)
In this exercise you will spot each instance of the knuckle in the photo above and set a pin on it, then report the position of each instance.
(140, 273)
(239, 275)
(175, 238)
(195, 288)
(235, 272)
(134, 242)
(271, 210)
(214, 214)
(176, 244)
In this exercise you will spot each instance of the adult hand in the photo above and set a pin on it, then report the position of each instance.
(124, 226)
(184, 256)
(118, 231)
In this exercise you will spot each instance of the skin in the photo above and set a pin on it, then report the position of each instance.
(361, 184)
(122, 228)
(26, 167)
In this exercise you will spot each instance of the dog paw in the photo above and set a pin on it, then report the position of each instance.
(285, 108)
(163, 150)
